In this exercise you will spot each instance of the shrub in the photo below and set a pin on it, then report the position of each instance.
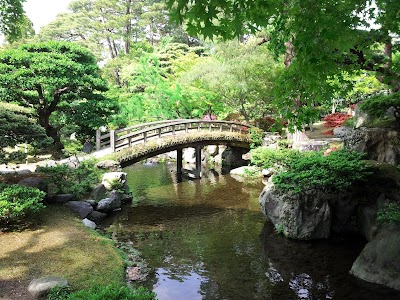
(389, 214)
(78, 181)
(111, 292)
(270, 158)
(377, 105)
(335, 120)
(17, 202)
(312, 170)
(256, 137)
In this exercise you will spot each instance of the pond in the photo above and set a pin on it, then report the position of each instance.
(207, 239)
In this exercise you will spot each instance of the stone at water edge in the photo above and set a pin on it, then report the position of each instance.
(89, 223)
(80, 207)
(299, 216)
(110, 165)
(62, 198)
(242, 171)
(96, 216)
(113, 180)
(41, 286)
(108, 204)
(379, 262)
(99, 192)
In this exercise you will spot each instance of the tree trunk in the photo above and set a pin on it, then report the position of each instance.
(128, 27)
(110, 47)
(52, 132)
(57, 148)
(297, 136)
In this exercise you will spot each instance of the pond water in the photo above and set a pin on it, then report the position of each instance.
(207, 239)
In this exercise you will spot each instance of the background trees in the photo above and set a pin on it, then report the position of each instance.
(11, 18)
(61, 82)
(318, 41)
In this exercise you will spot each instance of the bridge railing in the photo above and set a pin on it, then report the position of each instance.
(126, 137)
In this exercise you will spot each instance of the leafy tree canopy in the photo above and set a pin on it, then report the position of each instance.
(11, 17)
(60, 81)
(319, 39)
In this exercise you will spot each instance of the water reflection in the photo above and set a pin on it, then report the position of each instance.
(207, 239)
(178, 288)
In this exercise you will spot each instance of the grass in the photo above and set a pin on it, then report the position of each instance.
(61, 246)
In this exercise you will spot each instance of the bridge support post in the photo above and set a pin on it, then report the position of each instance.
(179, 159)
(198, 161)
(98, 139)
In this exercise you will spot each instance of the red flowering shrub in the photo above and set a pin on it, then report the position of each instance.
(264, 123)
(335, 120)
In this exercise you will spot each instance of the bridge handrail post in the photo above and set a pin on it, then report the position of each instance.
(198, 126)
(98, 139)
(186, 127)
(112, 140)
(144, 137)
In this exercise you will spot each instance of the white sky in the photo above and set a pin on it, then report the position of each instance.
(42, 12)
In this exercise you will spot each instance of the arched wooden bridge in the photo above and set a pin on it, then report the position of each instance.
(143, 133)
(142, 141)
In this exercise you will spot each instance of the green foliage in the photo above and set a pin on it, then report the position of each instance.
(72, 147)
(17, 126)
(320, 40)
(11, 18)
(256, 137)
(376, 106)
(270, 158)
(60, 82)
(18, 202)
(78, 181)
(389, 214)
(110, 292)
(280, 229)
(241, 75)
(312, 170)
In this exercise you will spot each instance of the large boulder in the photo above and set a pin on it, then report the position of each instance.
(232, 156)
(110, 165)
(89, 223)
(82, 208)
(302, 216)
(41, 286)
(99, 192)
(342, 132)
(62, 198)
(35, 182)
(113, 180)
(379, 262)
(381, 144)
(96, 216)
(111, 203)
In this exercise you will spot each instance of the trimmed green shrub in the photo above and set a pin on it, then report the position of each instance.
(271, 158)
(17, 202)
(389, 214)
(78, 181)
(312, 170)
(111, 292)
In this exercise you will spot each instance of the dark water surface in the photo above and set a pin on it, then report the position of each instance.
(207, 239)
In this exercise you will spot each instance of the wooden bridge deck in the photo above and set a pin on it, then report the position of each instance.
(116, 140)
